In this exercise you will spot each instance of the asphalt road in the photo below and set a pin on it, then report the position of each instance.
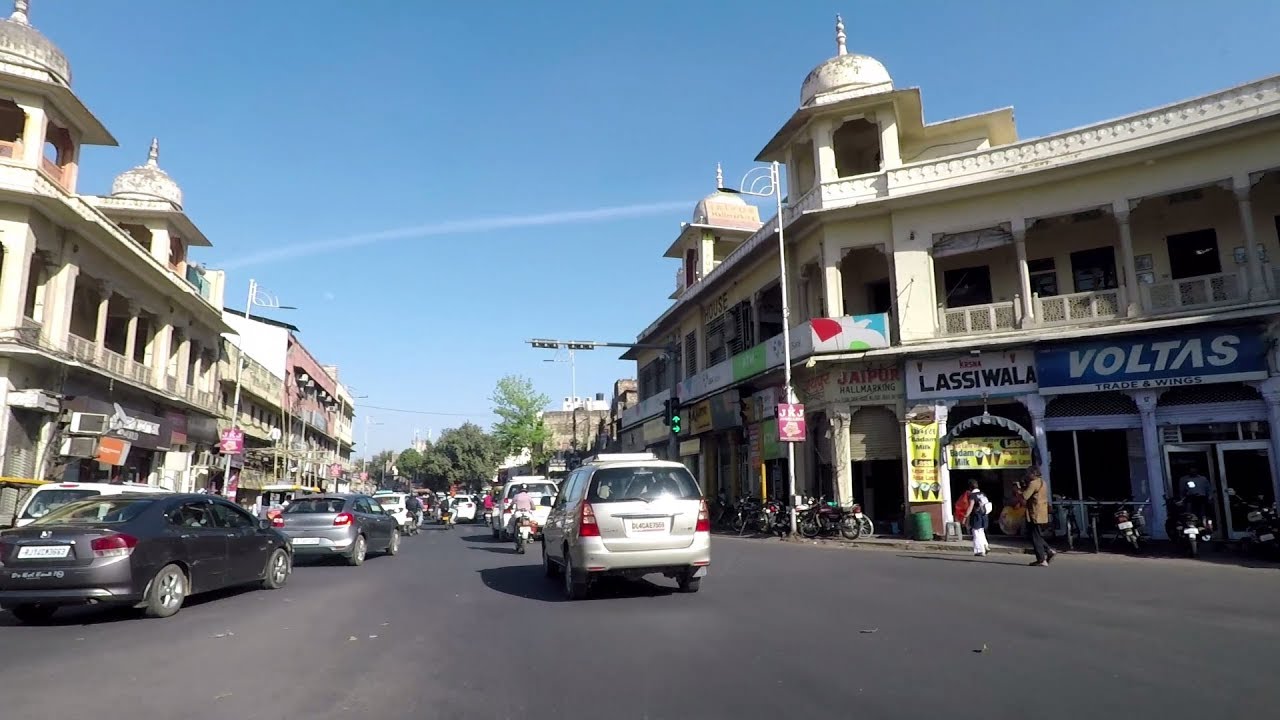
(459, 627)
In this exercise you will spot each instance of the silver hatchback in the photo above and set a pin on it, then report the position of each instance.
(347, 526)
(628, 517)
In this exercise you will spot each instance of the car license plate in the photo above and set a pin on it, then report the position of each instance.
(858, 515)
(306, 541)
(43, 551)
(1191, 531)
(648, 526)
(1126, 525)
(1266, 537)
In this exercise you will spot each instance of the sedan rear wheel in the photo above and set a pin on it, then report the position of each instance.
(33, 614)
(277, 571)
(167, 592)
(393, 547)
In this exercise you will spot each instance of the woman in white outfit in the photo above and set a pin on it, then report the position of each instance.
(977, 517)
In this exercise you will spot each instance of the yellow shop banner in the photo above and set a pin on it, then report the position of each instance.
(988, 453)
(922, 444)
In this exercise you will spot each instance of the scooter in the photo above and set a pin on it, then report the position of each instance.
(1185, 527)
(411, 524)
(1264, 525)
(446, 518)
(1129, 525)
(524, 530)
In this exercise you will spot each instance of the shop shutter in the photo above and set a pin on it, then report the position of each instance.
(20, 456)
(875, 434)
(1246, 411)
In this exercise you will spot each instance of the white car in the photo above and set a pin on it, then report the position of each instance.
(464, 508)
(628, 515)
(543, 492)
(393, 502)
(56, 494)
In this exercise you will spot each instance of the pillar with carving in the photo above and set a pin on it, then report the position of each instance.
(841, 454)
(1146, 400)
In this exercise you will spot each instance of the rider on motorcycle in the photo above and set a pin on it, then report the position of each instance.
(521, 502)
(414, 506)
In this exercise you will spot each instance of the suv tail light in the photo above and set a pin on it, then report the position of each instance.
(343, 518)
(704, 519)
(118, 545)
(277, 521)
(587, 526)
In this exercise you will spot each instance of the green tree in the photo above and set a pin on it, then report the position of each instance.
(520, 425)
(466, 456)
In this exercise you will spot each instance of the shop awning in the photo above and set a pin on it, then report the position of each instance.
(986, 419)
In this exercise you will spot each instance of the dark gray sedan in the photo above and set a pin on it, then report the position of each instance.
(150, 551)
(347, 526)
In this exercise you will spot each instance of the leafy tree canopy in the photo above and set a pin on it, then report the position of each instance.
(520, 425)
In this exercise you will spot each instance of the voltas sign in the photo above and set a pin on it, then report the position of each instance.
(1210, 355)
(1012, 372)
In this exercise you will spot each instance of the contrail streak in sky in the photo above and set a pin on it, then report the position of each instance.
(454, 227)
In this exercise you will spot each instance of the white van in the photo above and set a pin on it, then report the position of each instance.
(53, 495)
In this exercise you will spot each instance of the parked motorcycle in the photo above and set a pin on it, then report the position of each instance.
(1129, 525)
(524, 530)
(1186, 527)
(819, 517)
(1264, 525)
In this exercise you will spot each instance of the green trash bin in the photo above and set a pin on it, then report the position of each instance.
(921, 526)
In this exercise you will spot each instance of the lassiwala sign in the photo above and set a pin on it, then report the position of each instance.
(1209, 355)
(1012, 372)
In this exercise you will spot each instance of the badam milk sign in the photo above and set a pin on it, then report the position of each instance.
(1210, 355)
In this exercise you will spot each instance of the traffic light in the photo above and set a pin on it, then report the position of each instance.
(671, 416)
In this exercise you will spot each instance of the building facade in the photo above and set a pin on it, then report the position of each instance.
(109, 333)
(964, 304)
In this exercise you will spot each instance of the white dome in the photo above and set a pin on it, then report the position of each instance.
(719, 197)
(23, 46)
(148, 182)
(845, 73)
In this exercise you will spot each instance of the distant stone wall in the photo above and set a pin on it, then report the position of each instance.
(561, 425)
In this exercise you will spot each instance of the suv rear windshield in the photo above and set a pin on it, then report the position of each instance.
(326, 506)
(47, 500)
(388, 501)
(621, 484)
(534, 489)
(105, 511)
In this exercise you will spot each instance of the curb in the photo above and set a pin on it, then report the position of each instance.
(894, 544)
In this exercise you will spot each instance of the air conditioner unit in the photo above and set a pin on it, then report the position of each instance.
(82, 447)
(88, 423)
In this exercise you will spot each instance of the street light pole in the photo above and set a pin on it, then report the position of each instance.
(235, 403)
(774, 191)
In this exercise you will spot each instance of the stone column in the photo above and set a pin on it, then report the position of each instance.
(58, 303)
(841, 463)
(940, 412)
(824, 152)
(890, 155)
(1120, 210)
(1257, 285)
(1156, 490)
(183, 370)
(159, 243)
(33, 131)
(1270, 389)
(19, 250)
(131, 332)
(1035, 404)
(104, 310)
(161, 349)
(1019, 229)
(832, 281)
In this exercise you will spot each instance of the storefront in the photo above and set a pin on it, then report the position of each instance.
(1137, 416)
(656, 437)
(963, 408)
(120, 444)
(710, 424)
(856, 409)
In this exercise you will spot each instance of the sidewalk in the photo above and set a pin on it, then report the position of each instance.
(1217, 553)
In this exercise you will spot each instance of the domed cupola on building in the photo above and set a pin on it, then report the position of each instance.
(148, 181)
(26, 52)
(847, 75)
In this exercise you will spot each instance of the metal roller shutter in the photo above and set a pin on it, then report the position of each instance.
(875, 434)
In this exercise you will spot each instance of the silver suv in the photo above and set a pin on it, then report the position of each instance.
(628, 515)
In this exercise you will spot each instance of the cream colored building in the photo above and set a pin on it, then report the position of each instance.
(1106, 295)
(109, 334)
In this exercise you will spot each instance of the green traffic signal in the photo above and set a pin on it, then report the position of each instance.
(675, 424)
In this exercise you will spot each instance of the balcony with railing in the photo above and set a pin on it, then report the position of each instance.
(1080, 307)
(1194, 293)
(984, 318)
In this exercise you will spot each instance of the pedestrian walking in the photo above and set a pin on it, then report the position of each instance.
(978, 517)
(1036, 496)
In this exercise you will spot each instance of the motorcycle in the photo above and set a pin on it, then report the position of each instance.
(1185, 527)
(446, 517)
(412, 524)
(819, 517)
(1264, 525)
(1129, 525)
(524, 530)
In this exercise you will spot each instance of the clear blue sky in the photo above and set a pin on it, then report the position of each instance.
(294, 122)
